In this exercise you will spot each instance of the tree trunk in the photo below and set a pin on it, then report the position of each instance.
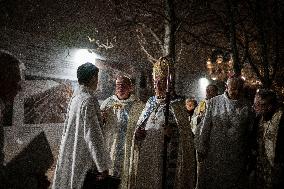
(232, 34)
(263, 44)
(170, 38)
(170, 26)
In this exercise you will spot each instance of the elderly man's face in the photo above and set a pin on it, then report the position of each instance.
(122, 88)
(160, 86)
(234, 89)
(260, 106)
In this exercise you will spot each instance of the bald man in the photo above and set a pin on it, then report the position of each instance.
(120, 111)
(222, 144)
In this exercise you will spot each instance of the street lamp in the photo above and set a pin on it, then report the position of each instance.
(84, 55)
(203, 83)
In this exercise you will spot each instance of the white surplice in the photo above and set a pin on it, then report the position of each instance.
(224, 140)
(147, 156)
(82, 146)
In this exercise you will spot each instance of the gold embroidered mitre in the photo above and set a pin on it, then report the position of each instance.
(160, 68)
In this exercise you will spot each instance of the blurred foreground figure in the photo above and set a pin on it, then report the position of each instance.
(11, 75)
(149, 157)
(82, 147)
(270, 141)
(120, 112)
(222, 146)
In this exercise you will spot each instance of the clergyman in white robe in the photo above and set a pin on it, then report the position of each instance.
(147, 156)
(224, 141)
(82, 145)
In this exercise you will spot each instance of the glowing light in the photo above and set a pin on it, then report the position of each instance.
(79, 57)
(208, 61)
(214, 78)
(209, 64)
(243, 78)
(83, 55)
(203, 83)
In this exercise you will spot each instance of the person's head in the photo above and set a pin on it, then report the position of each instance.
(234, 87)
(190, 104)
(11, 75)
(265, 101)
(123, 87)
(160, 73)
(211, 91)
(87, 75)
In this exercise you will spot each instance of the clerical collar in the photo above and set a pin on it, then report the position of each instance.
(173, 97)
(130, 99)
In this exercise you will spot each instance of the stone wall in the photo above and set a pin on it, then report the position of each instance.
(30, 150)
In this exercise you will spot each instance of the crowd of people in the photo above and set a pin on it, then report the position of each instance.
(223, 142)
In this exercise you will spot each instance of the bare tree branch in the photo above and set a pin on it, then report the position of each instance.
(203, 42)
(156, 37)
(181, 22)
(149, 56)
(249, 58)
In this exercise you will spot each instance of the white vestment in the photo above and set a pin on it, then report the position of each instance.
(147, 156)
(82, 146)
(116, 127)
(224, 140)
